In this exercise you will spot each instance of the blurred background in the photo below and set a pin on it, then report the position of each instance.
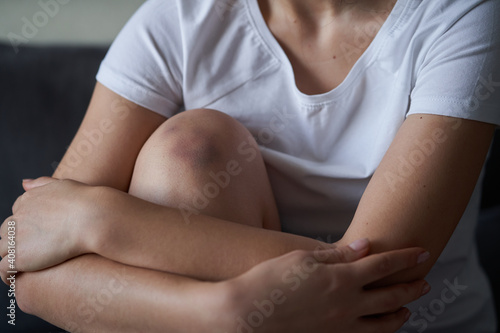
(50, 51)
(77, 22)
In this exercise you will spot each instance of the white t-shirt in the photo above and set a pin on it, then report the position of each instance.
(430, 56)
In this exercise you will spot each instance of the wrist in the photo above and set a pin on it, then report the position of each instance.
(91, 230)
(227, 300)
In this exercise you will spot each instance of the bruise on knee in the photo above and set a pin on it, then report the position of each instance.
(202, 139)
(194, 148)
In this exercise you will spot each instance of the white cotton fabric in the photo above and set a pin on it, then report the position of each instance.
(430, 56)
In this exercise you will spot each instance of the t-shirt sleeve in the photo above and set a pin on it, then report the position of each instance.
(460, 75)
(143, 64)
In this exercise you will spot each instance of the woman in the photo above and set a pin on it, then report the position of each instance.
(373, 118)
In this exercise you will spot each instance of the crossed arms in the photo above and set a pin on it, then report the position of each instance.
(396, 212)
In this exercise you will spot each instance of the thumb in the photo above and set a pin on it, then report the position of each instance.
(29, 184)
(344, 254)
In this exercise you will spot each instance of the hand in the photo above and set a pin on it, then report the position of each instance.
(323, 291)
(46, 224)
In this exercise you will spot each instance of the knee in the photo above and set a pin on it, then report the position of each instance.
(199, 138)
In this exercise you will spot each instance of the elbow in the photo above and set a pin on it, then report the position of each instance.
(406, 276)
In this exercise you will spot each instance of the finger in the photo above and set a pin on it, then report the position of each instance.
(3, 227)
(29, 184)
(4, 244)
(4, 241)
(3, 270)
(378, 266)
(387, 323)
(4, 247)
(344, 254)
(17, 204)
(390, 299)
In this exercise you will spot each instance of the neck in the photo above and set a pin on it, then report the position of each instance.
(313, 8)
(314, 14)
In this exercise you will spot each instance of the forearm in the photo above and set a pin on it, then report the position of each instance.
(93, 294)
(422, 206)
(207, 248)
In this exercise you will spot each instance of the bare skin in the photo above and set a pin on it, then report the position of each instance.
(318, 36)
(194, 250)
(186, 304)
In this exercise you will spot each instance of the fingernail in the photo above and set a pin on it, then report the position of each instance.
(426, 289)
(359, 244)
(423, 257)
(27, 180)
(408, 314)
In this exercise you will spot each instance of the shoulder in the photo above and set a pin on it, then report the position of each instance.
(443, 15)
(196, 24)
(201, 10)
(191, 15)
(457, 46)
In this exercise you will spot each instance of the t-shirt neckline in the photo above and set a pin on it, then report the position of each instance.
(366, 59)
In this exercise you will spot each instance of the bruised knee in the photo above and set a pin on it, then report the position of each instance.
(200, 138)
(204, 161)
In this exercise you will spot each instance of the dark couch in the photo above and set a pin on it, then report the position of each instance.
(44, 93)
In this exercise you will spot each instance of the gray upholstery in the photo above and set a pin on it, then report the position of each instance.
(44, 93)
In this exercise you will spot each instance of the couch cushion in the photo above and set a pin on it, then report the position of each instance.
(44, 93)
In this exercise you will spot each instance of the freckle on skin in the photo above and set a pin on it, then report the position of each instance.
(172, 129)
(334, 57)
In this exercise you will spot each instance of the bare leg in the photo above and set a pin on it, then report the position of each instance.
(203, 161)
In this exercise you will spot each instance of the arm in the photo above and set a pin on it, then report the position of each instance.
(401, 206)
(112, 122)
(110, 297)
(79, 219)
(44, 293)
(199, 246)
(111, 126)
(213, 249)
(147, 235)
(396, 211)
